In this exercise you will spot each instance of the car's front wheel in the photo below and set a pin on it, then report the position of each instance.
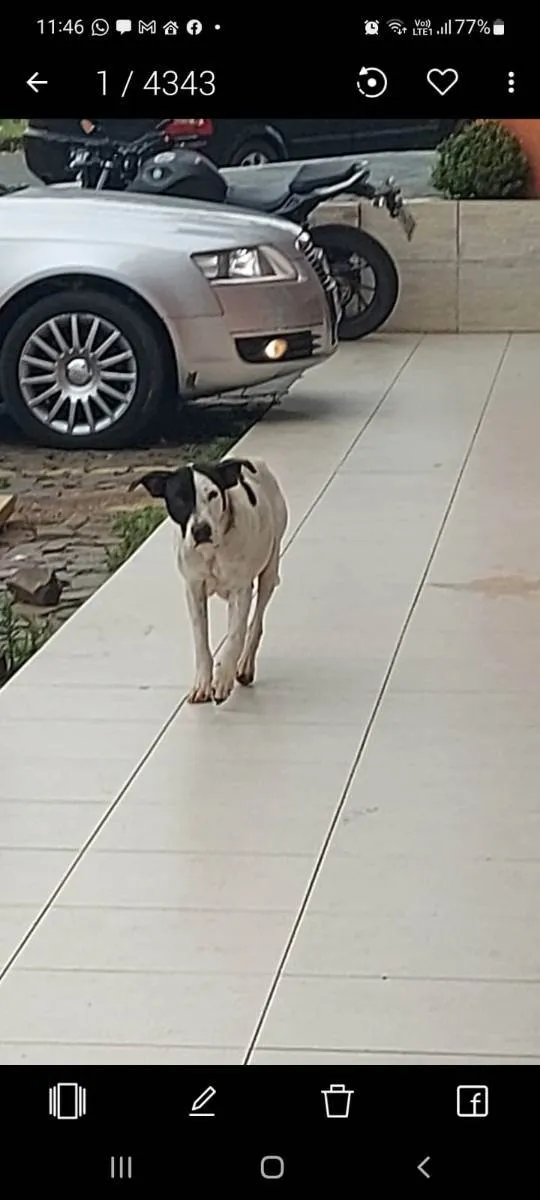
(82, 369)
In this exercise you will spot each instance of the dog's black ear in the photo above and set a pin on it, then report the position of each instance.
(229, 471)
(155, 483)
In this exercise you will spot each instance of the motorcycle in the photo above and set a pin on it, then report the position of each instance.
(365, 273)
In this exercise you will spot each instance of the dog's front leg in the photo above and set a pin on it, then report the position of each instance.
(197, 603)
(225, 668)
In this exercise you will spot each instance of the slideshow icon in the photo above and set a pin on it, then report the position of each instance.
(67, 1101)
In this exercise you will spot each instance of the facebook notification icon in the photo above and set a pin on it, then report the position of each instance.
(472, 1101)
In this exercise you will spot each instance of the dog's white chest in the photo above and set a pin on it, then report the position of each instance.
(218, 581)
(221, 574)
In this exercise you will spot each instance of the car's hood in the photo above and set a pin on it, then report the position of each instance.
(69, 214)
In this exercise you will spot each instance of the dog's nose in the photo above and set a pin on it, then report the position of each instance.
(202, 533)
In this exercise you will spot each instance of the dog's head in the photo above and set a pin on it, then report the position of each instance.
(196, 497)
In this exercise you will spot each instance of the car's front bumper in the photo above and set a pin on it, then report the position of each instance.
(211, 349)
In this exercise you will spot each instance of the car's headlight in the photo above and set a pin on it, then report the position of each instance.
(246, 264)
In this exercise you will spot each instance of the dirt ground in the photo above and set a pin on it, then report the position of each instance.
(66, 502)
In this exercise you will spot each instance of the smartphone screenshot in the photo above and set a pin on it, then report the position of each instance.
(269, 601)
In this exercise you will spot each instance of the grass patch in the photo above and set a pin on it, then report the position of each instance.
(5, 483)
(11, 133)
(20, 637)
(131, 529)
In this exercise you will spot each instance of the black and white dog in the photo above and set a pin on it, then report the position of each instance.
(230, 520)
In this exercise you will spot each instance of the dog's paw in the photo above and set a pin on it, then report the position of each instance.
(245, 671)
(245, 674)
(201, 692)
(222, 685)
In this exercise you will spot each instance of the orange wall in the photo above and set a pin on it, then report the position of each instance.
(528, 133)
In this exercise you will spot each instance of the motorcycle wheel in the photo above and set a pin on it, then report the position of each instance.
(366, 276)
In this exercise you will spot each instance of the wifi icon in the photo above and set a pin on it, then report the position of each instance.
(397, 26)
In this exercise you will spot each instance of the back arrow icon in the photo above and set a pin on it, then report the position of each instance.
(36, 83)
(421, 1166)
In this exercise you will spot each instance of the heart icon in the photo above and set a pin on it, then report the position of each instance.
(442, 81)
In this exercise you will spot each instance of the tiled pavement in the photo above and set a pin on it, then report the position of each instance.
(342, 864)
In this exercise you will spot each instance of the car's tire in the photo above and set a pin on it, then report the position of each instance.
(134, 400)
(254, 150)
(344, 245)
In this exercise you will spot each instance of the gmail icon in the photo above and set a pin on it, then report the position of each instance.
(147, 26)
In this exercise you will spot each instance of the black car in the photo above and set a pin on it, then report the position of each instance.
(241, 143)
(247, 143)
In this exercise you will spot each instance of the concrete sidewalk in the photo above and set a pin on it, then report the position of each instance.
(343, 863)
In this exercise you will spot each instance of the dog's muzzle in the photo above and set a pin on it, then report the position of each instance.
(201, 534)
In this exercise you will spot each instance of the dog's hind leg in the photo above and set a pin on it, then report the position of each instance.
(268, 581)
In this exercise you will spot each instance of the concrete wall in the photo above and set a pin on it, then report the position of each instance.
(472, 266)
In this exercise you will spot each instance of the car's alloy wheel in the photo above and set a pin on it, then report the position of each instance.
(254, 158)
(81, 368)
(253, 150)
(78, 373)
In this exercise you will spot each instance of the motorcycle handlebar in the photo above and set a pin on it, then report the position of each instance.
(101, 141)
(105, 152)
(113, 147)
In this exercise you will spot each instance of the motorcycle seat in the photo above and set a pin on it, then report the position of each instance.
(266, 196)
(310, 177)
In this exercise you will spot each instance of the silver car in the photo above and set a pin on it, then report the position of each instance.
(113, 306)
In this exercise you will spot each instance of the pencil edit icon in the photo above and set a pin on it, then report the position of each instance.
(198, 1108)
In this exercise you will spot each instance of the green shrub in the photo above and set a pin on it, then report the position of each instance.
(11, 133)
(482, 161)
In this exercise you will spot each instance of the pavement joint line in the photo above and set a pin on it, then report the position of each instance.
(374, 712)
(392, 1052)
(164, 729)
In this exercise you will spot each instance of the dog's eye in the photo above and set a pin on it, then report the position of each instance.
(212, 495)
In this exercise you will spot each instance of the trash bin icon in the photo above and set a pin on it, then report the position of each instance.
(337, 1100)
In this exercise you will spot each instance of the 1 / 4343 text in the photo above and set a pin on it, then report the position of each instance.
(160, 82)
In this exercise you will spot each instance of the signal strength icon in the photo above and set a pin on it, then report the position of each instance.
(446, 28)
(397, 26)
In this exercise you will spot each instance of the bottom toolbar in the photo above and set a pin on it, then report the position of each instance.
(262, 1126)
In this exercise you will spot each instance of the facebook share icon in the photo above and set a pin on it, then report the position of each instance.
(472, 1100)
